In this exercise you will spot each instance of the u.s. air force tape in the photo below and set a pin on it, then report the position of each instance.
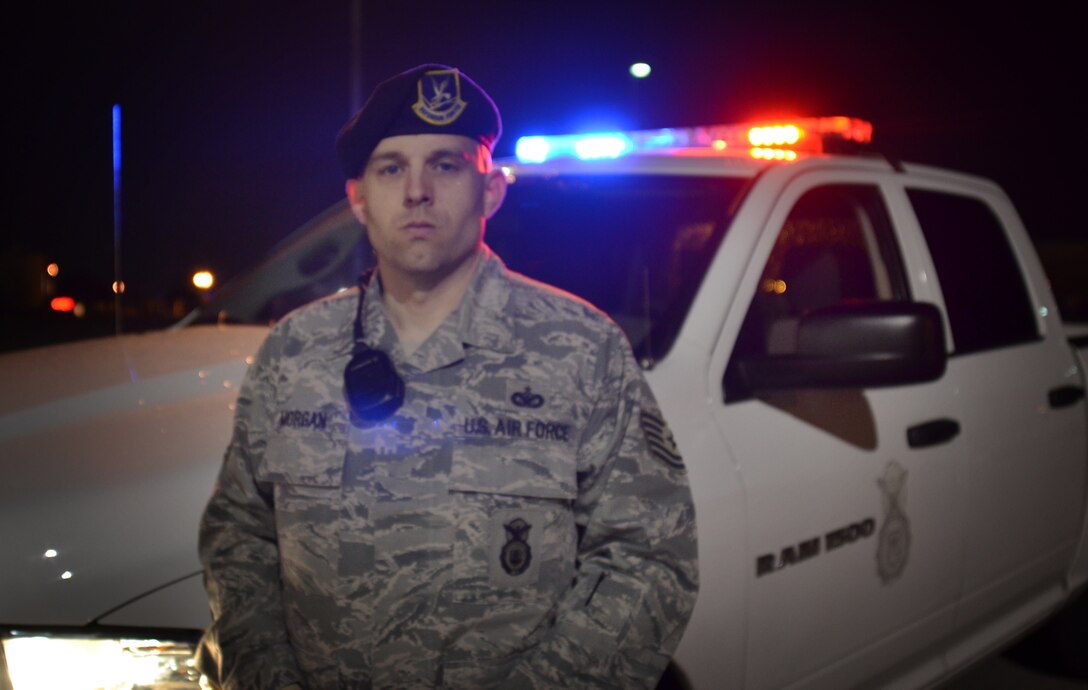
(659, 439)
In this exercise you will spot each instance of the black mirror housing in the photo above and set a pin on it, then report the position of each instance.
(856, 345)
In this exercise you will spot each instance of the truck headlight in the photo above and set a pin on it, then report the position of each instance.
(37, 661)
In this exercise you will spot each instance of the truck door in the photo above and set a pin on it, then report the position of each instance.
(854, 558)
(1022, 412)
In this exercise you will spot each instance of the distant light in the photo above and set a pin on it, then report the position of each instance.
(66, 575)
(53, 270)
(775, 285)
(118, 287)
(62, 304)
(203, 279)
(50, 553)
(640, 70)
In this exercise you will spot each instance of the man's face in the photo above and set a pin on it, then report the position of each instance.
(424, 199)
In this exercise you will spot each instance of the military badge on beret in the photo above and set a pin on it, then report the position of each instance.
(440, 101)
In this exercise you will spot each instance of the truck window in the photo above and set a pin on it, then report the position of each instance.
(984, 293)
(835, 246)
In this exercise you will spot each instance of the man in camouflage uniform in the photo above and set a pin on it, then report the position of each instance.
(519, 519)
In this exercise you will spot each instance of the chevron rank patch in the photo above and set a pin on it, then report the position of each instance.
(659, 439)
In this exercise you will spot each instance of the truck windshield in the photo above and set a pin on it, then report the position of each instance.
(636, 246)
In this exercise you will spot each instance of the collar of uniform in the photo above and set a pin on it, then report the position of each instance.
(378, 332)
(482, 318)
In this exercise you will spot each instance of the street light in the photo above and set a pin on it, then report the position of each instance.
(203, 280)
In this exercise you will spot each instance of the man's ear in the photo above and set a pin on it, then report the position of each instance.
(354, 189)
(494, 191)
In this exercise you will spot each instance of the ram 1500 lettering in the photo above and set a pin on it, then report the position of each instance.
(880, 408)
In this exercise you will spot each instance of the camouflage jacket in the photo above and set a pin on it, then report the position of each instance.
(524, 520)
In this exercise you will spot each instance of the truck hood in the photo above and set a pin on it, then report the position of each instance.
(109, 449)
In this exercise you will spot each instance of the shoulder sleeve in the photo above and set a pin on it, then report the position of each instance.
(637, 571)
(247, 644)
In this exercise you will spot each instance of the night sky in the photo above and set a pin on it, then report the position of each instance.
(229, 109)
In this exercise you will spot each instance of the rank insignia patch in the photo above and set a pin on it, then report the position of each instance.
(660, 440)
(516, 554)
(440, 100)
(893, 548)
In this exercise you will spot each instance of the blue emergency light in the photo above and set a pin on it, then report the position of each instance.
(584, 146)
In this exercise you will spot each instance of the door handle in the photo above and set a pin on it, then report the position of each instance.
(932, 433)
(1064, 396)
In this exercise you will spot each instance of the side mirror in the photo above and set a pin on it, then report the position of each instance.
(855, 345)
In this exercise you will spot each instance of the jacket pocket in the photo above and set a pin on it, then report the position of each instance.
(513, 553)
(513, 514)
(304, 471)
(530, 469)
(307, 459)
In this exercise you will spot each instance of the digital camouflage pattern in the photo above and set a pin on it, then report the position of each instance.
(523, 521)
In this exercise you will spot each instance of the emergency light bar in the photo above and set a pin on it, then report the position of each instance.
(779, 140)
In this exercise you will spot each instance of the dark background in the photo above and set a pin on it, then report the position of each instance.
(229, 109)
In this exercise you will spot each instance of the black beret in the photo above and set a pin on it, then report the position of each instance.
(429, 99)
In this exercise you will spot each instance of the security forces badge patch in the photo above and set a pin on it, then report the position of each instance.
(893, 548)
(516, 554)
(440, 101)
(516, 545)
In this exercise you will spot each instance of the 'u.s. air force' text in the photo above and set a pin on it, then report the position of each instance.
(511, 427)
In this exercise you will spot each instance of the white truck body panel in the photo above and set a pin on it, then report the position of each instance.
(104, 465)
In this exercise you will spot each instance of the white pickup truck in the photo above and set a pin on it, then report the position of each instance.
(881, 411)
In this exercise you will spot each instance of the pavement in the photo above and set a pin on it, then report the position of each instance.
(1053, 657)
(1001, 673)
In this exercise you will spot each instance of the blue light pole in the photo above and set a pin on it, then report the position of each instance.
(118, 284)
